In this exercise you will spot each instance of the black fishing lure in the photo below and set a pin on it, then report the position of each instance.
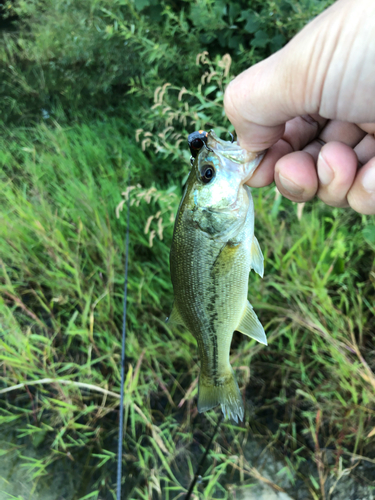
(197, 140)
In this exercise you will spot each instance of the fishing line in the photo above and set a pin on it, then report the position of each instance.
(121, 423)
(200, 465)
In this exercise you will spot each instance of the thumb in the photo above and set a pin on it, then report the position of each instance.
(255, 103)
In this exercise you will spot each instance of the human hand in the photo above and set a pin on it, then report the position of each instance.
(313, 104)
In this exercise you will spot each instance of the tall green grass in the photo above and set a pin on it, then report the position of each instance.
(310, 394)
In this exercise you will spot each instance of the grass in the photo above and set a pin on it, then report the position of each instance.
(310, 394)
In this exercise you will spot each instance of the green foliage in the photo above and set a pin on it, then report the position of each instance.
(177, 111)
(66, 58)
(63, 53)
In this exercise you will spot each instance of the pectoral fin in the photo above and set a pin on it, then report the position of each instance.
(251, 326)
(257, 258)
(175, 317)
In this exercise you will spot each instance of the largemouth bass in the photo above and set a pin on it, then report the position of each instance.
(213, 251)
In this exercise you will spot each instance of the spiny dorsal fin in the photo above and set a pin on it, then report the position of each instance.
(174, 318)
(251, 326)
(257, 258)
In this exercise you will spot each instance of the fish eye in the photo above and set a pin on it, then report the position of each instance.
(207, 173)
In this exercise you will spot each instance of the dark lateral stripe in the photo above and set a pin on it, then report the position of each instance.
(215, 360)
(213, 316)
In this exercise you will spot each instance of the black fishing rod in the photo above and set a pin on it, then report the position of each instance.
(197, 474)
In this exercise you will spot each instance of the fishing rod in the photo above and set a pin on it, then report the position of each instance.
(197, 474)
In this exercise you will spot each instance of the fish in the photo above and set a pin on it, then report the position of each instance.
(213, 250)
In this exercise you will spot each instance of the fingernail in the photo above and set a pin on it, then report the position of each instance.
(368, 180)
(325, 172)
(290, 186)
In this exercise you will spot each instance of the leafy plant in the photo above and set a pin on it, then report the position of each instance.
(68, 58)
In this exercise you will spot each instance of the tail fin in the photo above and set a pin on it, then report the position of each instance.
(227, 395)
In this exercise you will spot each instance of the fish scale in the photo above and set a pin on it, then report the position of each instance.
(212, 252)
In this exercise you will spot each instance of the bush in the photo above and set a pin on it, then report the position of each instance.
(69, 58)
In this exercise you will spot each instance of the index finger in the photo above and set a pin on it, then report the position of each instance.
(298, 132)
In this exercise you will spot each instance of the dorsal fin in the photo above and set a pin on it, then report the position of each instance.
(251, 326)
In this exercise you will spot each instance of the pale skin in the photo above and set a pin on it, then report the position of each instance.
(313, 105)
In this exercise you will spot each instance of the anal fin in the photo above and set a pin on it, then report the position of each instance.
(257, 259)
(251, 326)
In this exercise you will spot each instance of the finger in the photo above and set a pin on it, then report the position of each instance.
(365, 150)
(257, 127)
(264, 174)
(345, 132)
(336, 167)
(298, 132)
(301, 130)
(361, 196)
(296, 177)
(368, 127)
